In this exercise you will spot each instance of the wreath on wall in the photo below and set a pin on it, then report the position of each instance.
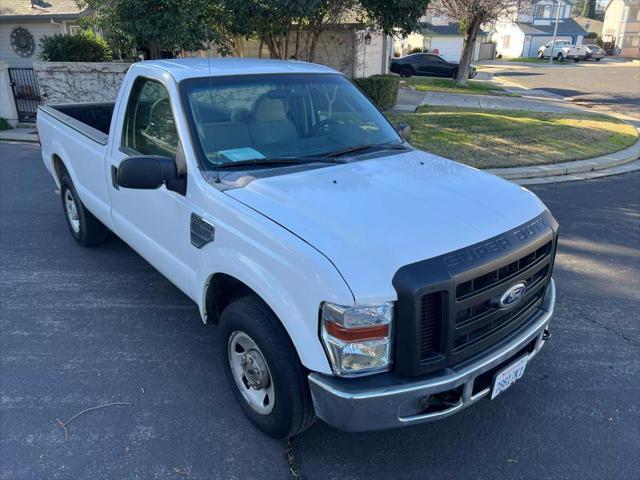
(22, 42)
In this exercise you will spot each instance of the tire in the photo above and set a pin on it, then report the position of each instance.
(576, 60)
(86, 229)
(454, 74)
(290, 411)
(598, 59)
(560, 57)
(406, 71)
(540, 55)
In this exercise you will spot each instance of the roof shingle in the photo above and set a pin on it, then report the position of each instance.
(38, 7)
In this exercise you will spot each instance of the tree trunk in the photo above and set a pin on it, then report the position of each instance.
(314, 43)
(297, 50)
(154, 50)
(470, 35)
(260, 48)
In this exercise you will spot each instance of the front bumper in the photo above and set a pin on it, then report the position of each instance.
(386, 401)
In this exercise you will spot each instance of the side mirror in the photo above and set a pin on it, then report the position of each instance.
(404, 130)
(149, 172)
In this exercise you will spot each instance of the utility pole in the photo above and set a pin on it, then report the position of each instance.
(555, 32)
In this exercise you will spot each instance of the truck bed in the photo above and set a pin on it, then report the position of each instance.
(91, 119)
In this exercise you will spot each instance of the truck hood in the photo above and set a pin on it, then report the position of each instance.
(371, 217)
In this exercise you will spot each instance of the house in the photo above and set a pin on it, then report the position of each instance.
(440, 34)
(592, 26)
(23, 23)
(520, 33)
(621, 27)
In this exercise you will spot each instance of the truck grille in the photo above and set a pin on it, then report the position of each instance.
(455, 314)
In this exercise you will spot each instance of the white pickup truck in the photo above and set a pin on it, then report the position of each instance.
(562, 50)
(353, 277)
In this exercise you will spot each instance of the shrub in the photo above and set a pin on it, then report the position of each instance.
(81, 47)
(418, 50)
(4, 125)
(382, 90)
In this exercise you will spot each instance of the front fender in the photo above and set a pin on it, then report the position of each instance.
(291, 276)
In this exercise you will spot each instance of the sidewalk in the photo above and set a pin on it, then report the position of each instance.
(19, 135)
(530, 100)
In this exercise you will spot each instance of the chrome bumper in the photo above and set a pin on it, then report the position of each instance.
(354, 407)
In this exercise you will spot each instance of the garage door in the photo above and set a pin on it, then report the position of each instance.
(537, 42)
(448, 47)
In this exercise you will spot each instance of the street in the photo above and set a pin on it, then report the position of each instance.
(612, 87)
(83, 327)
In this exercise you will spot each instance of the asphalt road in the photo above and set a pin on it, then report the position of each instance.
(84, 327)
(603, 85)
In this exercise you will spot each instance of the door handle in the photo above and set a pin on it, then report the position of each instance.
(114, 177)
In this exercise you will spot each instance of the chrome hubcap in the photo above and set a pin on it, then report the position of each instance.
(72, 211)
(251, 373)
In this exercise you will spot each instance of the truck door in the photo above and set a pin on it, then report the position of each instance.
(155, 223)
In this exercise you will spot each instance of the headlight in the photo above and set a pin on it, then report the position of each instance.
(357, 339)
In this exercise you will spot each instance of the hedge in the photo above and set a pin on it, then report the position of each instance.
(81, 47)
(382, 90)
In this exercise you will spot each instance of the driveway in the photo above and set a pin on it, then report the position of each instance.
(610, 86)
(84, 327)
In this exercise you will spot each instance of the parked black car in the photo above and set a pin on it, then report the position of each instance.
(427, 64)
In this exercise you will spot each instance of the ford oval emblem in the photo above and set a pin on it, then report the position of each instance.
(513, 295)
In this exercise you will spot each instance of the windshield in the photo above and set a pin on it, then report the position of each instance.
(297, 116)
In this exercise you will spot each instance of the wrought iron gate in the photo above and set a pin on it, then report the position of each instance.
(25, 93)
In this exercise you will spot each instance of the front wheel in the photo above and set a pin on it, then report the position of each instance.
(540, 55)
(406, 71)
(86, 229)
(263, 369)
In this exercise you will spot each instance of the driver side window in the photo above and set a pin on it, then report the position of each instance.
(149, 126)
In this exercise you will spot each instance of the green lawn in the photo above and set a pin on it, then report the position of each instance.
(508, 138)
(475, 87)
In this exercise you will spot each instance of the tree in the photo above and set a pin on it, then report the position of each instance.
(589, 9)
(155, 25)
(472, 14)
(278, 22)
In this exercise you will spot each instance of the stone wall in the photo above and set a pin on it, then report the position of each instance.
(74, 82)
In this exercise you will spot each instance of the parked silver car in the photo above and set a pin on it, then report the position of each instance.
(594, 52)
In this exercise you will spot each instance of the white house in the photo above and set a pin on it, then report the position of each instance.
(440, 34)
(621, 27)
(520, 33)
(23, 23)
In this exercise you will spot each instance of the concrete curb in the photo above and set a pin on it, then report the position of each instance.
(570, 168)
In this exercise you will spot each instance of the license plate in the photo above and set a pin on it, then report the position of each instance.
(507, 377)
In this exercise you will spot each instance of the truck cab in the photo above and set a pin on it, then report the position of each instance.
(351, 276)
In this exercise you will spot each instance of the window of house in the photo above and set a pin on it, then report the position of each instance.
(149, 126)
(74, 29)
(506, 41)
(629, 41)
(633, 14)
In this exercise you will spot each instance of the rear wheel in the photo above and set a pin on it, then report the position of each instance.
(598, 59)
(406, 71)
(560, 57)
(84, 227)
(263, 369)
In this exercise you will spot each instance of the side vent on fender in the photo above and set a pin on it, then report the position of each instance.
(202, 232)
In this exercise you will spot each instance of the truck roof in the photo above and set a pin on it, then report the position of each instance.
(197, 67)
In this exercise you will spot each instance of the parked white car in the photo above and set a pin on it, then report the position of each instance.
(352, 276)
(562, 50)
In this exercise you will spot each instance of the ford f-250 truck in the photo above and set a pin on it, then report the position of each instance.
(353, 277)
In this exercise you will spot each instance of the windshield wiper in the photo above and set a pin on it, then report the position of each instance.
(260, 162)
(366, 146)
